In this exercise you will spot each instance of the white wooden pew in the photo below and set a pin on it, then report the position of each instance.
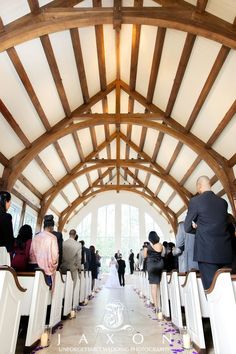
(86, 276)
(34, 304)
(89, 284)
(164, 295)
(181, 279)
(82, 287)
(202, 298)
(56, 300)
(193, 310)
(68, 294)
(175, 303)
(11, 297)
(222, 307)
(4, 257)
(76, 294)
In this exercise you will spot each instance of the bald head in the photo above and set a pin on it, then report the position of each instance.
(203, 184)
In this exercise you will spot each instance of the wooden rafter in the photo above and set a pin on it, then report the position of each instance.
(66, 213)
(52, 20)
(224, 174)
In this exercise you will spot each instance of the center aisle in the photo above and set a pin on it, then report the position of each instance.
(116, 321)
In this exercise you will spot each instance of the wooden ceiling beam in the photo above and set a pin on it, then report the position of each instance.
(24, 199)
(51, 20)
(201, 6)
(28, 86)
(232, 161)
(218, 165)
(30, 186)
(160, 38)
(66, 213)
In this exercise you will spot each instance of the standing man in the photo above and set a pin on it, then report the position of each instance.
(71, 257)
(131, 262)
(207, 217)
(121, 270)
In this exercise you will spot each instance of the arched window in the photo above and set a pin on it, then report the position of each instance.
(151, 225)
(84, 229)
(129, 230)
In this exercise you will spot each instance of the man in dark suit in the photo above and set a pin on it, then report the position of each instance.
(207, 217)
(131, 261)
(121, 270)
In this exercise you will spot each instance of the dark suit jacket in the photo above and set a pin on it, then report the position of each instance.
(6, 231)
(212, 242)
(122, 265)
(59, 242)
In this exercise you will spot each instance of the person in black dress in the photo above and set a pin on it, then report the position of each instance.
(155, 265)
(6, 230)
(121, 270)
(93, 265)
(131, 262)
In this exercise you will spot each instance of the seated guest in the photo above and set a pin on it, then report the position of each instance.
(207, 217)
(59, 237)
(171, 261)
(6, 229)
(184, 250)
(71, 259)
(21, 250)
(232, 231)
(44, 250)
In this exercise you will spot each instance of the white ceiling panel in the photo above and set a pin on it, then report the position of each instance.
(166, 150)
(94, 175)
(70, 192)
(107, 3)
(22, 189)
(112, 128)
(142, 175)
(234, 169)
(10, 144)
(44, 2)
(125, 52)
(123, 128)
(1, 169)
(225, 9)
(97, 108)
(226, 143)
(124, 102)
(217, 187)
(59, 203)
(32, 56)
(85, 140)
(37, 177)
(172, 49)
(113, 149)
(203, 56)
(128, 3)
(147, 44)
(53, 162)
(136, 134)
(165, 192)
(100, 134)
(12, 10)
(176, 204)
(202, 170)
(110, 51)
(85, 3)
(103, 154)
(153, 183)
(21, 108)
(89, 50)
(217, 104)
(150, 141)
(63, 50)
(82, 182)
(68, 147)
(138, 108)
(122, 149)
(184, 160)
(149, 3)
(111, 100)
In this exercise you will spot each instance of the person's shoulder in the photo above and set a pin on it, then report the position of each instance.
(5, 216)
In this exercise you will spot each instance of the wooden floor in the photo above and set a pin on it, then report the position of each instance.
(116, 321)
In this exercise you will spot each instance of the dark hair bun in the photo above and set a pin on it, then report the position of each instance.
(48, 218)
